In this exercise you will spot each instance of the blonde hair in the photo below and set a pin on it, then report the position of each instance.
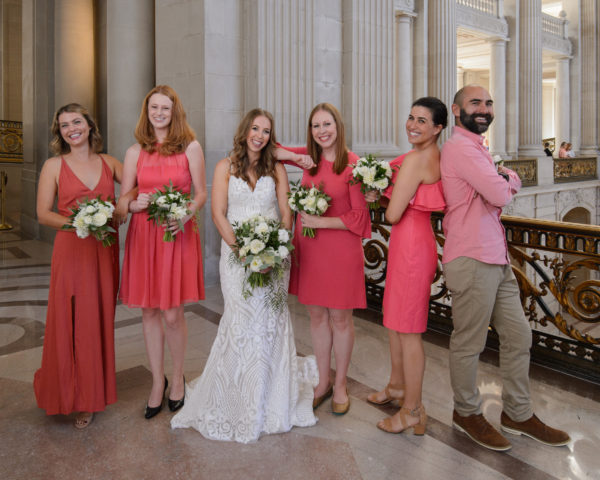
(239, 154)
(180, 134)
(314, 149)
(58, 145)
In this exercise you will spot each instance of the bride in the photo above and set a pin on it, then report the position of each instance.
(253, 382)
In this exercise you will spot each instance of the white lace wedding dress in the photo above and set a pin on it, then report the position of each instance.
(253, 381)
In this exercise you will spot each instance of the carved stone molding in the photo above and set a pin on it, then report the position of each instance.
(566, 200)
(404, 7)
(474, 20)
(556, 44)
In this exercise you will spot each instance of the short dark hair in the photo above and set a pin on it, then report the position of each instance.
(439, 112)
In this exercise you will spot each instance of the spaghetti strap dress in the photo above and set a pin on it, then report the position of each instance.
(412, 260)
(78, 359)
(159, 274)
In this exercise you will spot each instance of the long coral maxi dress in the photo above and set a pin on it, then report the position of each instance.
(78, 360)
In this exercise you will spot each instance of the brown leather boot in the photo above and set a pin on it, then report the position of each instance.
(480, 431)
(535, 429)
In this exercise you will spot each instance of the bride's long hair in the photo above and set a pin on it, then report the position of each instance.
(239, 154)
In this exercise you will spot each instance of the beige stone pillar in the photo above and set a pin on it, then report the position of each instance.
(589, 77)
(129, 68)
(563, 102)
(498, 93)
(74, 52)
(404, 75)
(530, 84)
(442, 54)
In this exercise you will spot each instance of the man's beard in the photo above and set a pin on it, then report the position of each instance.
(468, 121)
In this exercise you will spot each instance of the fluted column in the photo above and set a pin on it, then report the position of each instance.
(530, 78)
(498, 93)
(130, 68)
(74, 52)
(442, 53)
(563, 102)
(369, 89)
(589, 77)
(404, 74)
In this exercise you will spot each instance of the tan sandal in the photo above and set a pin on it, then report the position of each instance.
(83, 420)
(418, 428)
(372, 397)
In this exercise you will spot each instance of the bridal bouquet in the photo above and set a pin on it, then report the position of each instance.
(166, 205)
(310, 200)
(372, 174)
(263, 249)
(92, 217)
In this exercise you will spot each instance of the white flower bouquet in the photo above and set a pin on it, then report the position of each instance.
(167, 205)
(372, 174)
(92, 217)
(263, 249)
(310, 200)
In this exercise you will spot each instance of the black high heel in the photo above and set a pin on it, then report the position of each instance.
(175, 405)
(153, 411)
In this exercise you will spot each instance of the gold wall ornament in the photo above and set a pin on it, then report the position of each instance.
(11, 141)
(526, 169)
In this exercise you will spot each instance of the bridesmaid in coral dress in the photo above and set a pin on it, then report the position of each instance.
(160, 277)
(412, 262)
(78, 360)
(328, 271)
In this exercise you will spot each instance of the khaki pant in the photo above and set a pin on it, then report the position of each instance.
(484, 294)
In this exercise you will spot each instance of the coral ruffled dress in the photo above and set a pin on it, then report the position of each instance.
(328, 270)
(159, 274)
(78, 361)
(412, 260)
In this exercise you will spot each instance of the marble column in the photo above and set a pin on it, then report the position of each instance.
(370, 95)
(129, 69)
(38, 106)
(74, 57)
(420, 47)
(589, 78)
(530, 74)
(563, 102)
(404, 87)
(498, 93)
(442, 55)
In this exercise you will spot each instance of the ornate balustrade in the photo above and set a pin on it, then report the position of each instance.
(485, 6)
(11, 141)
(557, 266)
(553, 25)
(526, 168)
(575, 169)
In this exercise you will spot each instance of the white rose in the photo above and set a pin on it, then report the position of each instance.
(256, 265)
(363, 170)
(292, 204)
(82, 232)
(90, 209)
(369, 177)
(80, 226)
(178, 213)
(261, 228)
(283, 251)
(311, 202)
(256, 246)
(322, 205)
(381, 184)
(283, 236)
(161, 200)
(244, 250)
(388, 169)
(87, 219)
(99, 219)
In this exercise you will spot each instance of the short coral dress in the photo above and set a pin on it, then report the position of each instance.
(159, 274)
(328, 270)
(78, 360)
(412, 260)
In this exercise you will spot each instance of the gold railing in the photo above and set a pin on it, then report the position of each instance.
(575, 169)
(557, 266)
(526, 169)
(11, 141)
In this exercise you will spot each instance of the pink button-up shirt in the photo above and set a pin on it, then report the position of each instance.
(475, 195)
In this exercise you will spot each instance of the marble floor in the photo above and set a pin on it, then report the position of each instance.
(121, 444)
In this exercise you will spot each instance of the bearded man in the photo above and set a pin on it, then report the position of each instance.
(480, 278)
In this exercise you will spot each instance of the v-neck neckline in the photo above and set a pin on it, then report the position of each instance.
(81, 181)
